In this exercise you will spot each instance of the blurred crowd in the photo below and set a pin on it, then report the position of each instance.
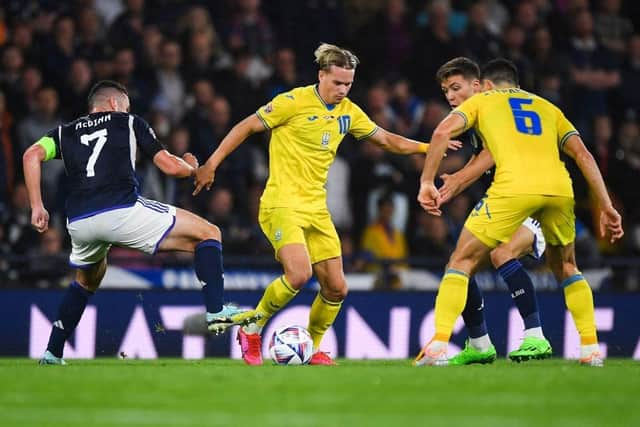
(194, 68)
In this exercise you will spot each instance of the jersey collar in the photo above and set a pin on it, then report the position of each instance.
(329, 106)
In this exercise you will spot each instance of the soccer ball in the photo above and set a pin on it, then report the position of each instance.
(291, 345)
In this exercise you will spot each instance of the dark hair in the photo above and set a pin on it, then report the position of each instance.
(500, 71)
(459, 66)
(102, 87)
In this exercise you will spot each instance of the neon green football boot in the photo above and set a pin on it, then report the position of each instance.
(470, 355)
(531, 348)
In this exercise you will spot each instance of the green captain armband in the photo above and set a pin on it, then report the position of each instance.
(49, 146)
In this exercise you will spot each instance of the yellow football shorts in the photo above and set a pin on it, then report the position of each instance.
(315, 230)
(494, 219)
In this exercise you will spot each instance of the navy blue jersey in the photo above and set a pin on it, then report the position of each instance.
(99, 154)
(476, 142)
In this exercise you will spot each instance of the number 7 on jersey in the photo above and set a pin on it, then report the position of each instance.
(101, 136)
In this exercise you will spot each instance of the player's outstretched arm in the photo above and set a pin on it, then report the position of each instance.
(398, 144)
(31, 162)
(458, 182)
(175, 166)
(204, 175)
(610, 219)
(429, 197)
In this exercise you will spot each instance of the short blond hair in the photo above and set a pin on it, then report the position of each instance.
(328, 55)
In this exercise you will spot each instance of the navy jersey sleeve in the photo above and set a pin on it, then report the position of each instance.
(146, 137)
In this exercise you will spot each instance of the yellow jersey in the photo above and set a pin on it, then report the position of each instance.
(305, 135)
(525, 134)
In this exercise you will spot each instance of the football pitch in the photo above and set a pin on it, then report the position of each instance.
(222, 392)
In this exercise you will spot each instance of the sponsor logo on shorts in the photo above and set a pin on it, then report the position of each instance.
(278, 235)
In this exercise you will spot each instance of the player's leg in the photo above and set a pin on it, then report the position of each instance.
(326, 256)
(284, 229)
(326, 305)
(578, 298)
(191, 233)
(87, 281)
(297, 272)
(478, 347)
(452, 295)
(505, 259)
(558, 225)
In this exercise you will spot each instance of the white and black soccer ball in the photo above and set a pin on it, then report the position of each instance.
(291, 345)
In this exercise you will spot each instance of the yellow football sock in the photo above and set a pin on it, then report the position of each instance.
(451, 299)
(277, 295)
(323, 313)
(579, 300)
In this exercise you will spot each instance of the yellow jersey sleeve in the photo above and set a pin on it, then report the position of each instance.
(362, 126)
(469, 111)
(278, 111)
(565, 128)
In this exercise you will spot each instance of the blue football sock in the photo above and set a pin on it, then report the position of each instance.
(209, 270)
(522, 292)
(473, 313)
(69, 314)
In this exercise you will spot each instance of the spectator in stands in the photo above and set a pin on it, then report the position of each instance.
(171, 90)
(77, 85)
(514, 38)
(285, 76)
(481, 44)
(90, 34)
(612, 29)
(550, 67)
(433, 45)
(593, 73)
(407, 108)
(385, 42)
(7, 158)
(141, 88)
(60, 51)
(386, 245)
(630, 77)
(430, 240)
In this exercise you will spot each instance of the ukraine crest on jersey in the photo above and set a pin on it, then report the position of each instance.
(305, 135)
(525, 134)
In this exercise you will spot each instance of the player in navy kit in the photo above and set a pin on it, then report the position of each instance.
(104, 208)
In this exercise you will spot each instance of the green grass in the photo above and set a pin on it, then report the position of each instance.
(220, 392)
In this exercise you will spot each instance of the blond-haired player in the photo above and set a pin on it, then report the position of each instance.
(307, 125)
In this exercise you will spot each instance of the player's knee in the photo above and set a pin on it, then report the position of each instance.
(298, 277)
(335, 290)
(211, 232)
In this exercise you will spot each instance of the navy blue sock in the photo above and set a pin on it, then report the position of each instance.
(522, 292)
(208, 260)
(473, 313)
(69, 314)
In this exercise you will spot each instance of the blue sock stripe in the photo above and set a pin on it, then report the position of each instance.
(454, 271)
(209, 243)
(509, 267)
(571, 280)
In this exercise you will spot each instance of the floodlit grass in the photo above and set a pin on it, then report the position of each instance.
(221, 392)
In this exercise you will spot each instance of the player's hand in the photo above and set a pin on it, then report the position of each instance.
(429, 199)
(454, 145)
(40, 219)
(191, 160)
(450, 188)
(203, 178)
(611, 221)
